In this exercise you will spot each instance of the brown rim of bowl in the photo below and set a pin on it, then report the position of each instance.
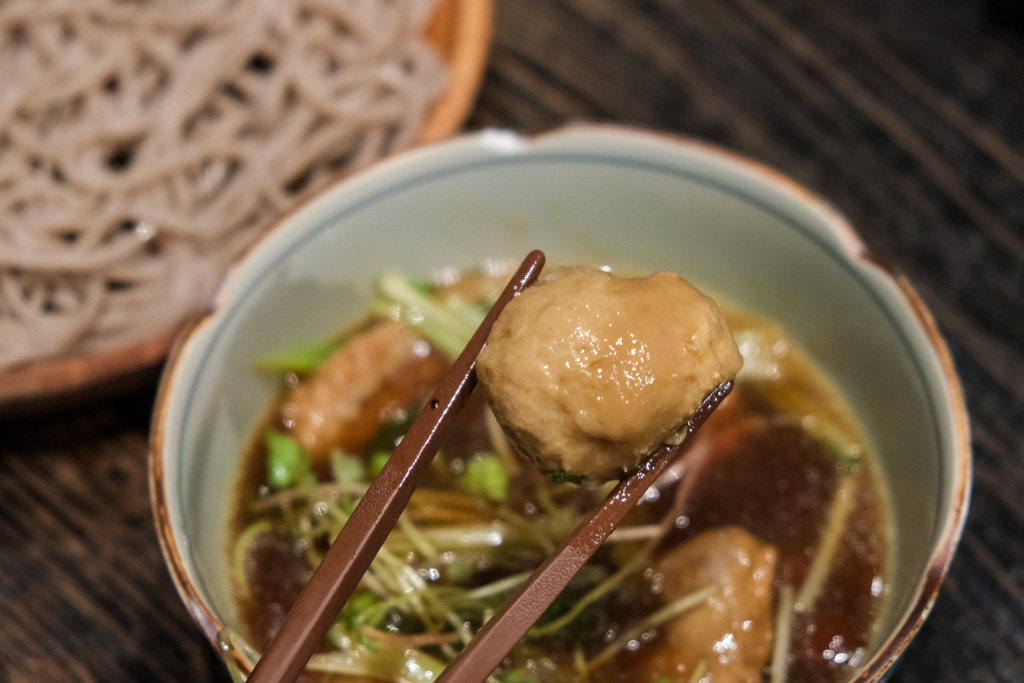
(460, 29)
(949, 535)
(200, 613)
(926, 592)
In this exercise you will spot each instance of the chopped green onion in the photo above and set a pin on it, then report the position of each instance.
(301, 359)
(783, 633)
(698, 673)
(669, 611)
(503, 585)
(449, 329)
(369, 644)
(231, 642)
(824, 556)
(419, 540)
(458, 572)
(597, 591)
(467, 312)
(520, 675)
(849, 454)
(377, 462)
(347, 469)
(233, 671)
(560, 619)
(287, 461)
(485, 475)
(387, 663)
(241, 552)
(351, 614)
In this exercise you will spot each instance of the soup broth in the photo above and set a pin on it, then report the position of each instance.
(762, 556)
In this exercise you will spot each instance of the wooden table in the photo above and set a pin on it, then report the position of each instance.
(906, 114)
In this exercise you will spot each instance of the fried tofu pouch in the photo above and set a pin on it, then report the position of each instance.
(729, 635)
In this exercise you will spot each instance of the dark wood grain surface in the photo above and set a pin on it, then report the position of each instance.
(908, 115)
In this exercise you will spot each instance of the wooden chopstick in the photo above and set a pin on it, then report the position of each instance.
(350, 555)
(501, 633)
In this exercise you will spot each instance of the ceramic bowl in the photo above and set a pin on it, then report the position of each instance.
(590, 195)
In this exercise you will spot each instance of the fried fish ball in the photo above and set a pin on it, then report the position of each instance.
(587, 372)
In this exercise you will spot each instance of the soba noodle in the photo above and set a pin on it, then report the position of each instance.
(145, 143)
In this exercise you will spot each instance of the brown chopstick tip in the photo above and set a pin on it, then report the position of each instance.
(708, 405)
(530, 268)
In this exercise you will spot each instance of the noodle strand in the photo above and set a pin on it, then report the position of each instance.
(144, 145)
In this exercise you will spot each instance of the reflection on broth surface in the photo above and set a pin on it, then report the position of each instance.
(765, 562)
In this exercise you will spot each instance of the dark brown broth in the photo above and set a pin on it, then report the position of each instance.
(786, 482)
(764, 472)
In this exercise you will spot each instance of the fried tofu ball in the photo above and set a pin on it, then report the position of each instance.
(588, 372)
